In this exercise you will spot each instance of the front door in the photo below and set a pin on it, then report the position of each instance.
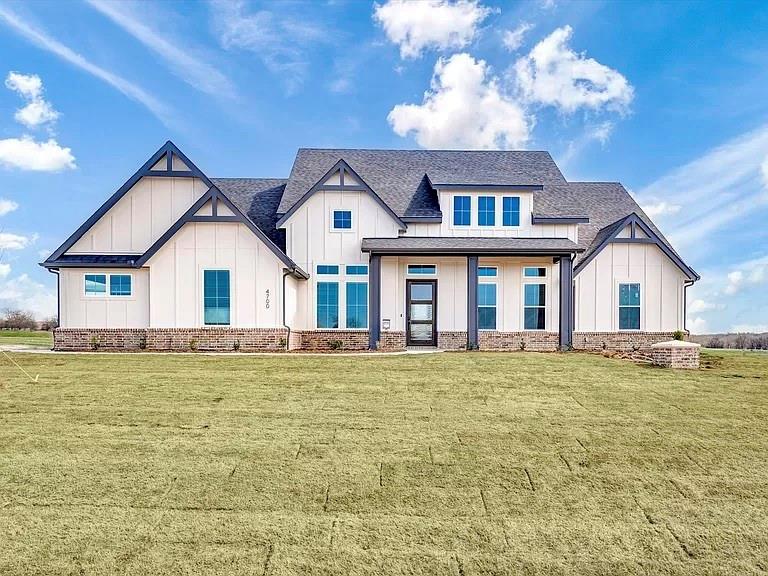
(421, 312)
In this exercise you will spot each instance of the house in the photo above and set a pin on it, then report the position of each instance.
(369, 249)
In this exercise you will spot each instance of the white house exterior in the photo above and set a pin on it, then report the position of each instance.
(362, 249)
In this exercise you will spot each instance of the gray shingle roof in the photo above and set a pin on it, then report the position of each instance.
(448, 244)
(401, 177)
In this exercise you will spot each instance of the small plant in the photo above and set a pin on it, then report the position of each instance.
(678, 335)
(193, 344)
(282, 342)
(522, 345)
(143, 342)
(336, 344)
(95, 342)
(236, 345)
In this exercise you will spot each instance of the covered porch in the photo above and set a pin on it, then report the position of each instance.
(461, 292)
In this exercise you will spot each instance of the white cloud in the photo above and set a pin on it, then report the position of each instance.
(23, 293)
(282, 40)
(698, 306)
(10, 241)
(753, 328)
(597, 133)
(750, 273)
(764, 170)
(416, 25)
(5, 270)
(27, 154)
(553, 74)
(7, 206)
(38, 111)
(697, 325)
(513, 39)
(42, 40)
(191, 68)
(464, 109)
(660, 208)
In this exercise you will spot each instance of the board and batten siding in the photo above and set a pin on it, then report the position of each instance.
(661, 289)
(141, 216)
(176, 277)
(81, 311)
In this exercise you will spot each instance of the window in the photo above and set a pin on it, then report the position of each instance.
(629, 306)
(535, 272)
(487, 271)
(216, 297)
(511, 211)
(357, 270)
(119, 284)
(486, 211)
(462, 210)
(342, 219)
(534, 309)
(422, 269)
(327, 304)
(95, 284)
(486, 306)
(327, 269)
(357, 305)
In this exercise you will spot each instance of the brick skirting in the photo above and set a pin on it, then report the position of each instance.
(533, 341)
(170, 339)
(618, 341)
(332, 339)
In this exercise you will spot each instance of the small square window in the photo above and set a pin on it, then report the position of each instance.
(119, 284)
(342, 219)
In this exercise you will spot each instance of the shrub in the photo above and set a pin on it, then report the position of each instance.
(678, 335)
(336, 344)
(236, 345)
(95, 343)
(193, 344)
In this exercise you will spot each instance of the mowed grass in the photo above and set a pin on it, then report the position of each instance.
(37, 338)
(455, 463)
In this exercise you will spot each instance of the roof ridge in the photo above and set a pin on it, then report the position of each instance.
(417, 150)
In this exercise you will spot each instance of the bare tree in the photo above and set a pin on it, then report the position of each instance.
(18, 320)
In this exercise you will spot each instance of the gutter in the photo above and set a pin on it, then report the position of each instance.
(58, 295)
(686, 285)
(286, 272)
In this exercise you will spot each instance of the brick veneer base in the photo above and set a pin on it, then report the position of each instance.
(534, 341)
(618, 341)
(333, 339)
(676, 354)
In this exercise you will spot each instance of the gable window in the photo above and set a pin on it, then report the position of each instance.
(511, 211)
(422, 269)
(119, 284)
(216, 299)
(327, 304)
(357, 305)
(462, 210)
(534, 307)
(487, 271)
(486, 306)
(486, 211)
(629, 306)
(95, 284)
(342, 219)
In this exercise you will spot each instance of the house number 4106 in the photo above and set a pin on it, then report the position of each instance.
(267, 298)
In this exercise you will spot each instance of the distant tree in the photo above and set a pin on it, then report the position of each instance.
(49, 323)
(715, 342)
(18, 320)
(741, 341)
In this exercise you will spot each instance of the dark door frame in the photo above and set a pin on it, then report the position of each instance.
(408, 284)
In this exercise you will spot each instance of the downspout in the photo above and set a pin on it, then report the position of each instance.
(286, 272)
(58, 295)
(686, 285)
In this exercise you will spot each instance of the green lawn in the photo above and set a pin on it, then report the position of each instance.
(36, 338)
(456, 463)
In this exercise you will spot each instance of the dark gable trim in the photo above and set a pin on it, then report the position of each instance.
(166, 151)
(517, 187)
(343, 167)
(635, 222)
(559, 219)
(215, 195)
(422, 219)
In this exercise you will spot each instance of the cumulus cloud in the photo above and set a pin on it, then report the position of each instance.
(10, 241)
(5, 270)
(465, 108)
(698, 306)
(552, 74)
(23, 293)
(660, 208)
(27, 154)
(697, 325)
(37, 111)
(416, 25)
(7, 206)
(513, 39)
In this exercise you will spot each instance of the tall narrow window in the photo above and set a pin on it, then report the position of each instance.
(327, 304)
(342, 219)
(486, 306)
(119, 284)
(357, 305)
(511, 211)
(96, 284)
(534, 309)
(462, 210)
(629, 306)
(486, 211)
(216, 297)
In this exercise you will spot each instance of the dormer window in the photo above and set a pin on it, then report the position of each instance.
(462, 210)
(486, 211)
(342, 219)
(511, 211)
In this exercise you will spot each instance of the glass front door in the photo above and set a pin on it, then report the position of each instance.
(421, 312)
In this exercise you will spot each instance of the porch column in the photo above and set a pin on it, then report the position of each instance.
(566, 303)
(472, 340)
(374, 301)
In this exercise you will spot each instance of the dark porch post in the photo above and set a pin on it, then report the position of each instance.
(374, 301)
(566, 303)
(472, 303)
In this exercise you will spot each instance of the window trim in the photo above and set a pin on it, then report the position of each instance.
(202, 299)
(351, 220)
(538, 267)
(495, 306)
(337, 281)
(494, 275)
(104, 294)
(469, 210)
(619, 306)
(324, 274)
(503, 212)
(493, 212)
(535, 280)
(109, 286)
(346, 305)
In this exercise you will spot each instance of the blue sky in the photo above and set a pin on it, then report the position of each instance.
(671, 99)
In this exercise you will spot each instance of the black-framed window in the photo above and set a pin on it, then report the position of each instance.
(535, 307)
